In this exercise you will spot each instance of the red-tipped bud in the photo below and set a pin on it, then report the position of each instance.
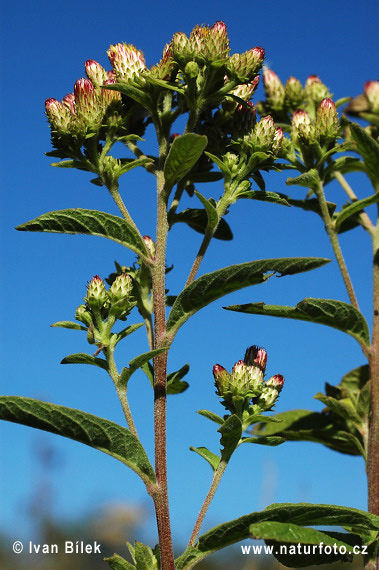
(58, 115)
(315, 89)
(302, 127)
(69, 102)
(87, 102)
(270, 392)
(95, 72)
(371, 89)
(276, 381)
(294, 93)
(127, 61)
(150, 246)
(274, 89)
(264, 134)
(167, 67)
(218, 41)
(327, 123)
(256, 356)
(222, 380)
(246, 90)
(278, 140)
(245, 66)
(96, 293)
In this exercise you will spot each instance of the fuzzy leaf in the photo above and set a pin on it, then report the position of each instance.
(263, 196)
(185, 151)
(301, 514)
(144, 556)
(304, 425)
(82, 358)
(336, 314)
(91, 430)
(211, 416)
(69, 325)
(369, 149)
(271, 440)
(197, 219)
(212, 458)
(116, 562)
(343, 407)
(308, 179)
(212, 286)
(88, 222)
(139, 362)
(219, 162)
(354, 208)
(283, 533)
(175, 384)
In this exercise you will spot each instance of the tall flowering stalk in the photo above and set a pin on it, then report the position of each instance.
(223, 139)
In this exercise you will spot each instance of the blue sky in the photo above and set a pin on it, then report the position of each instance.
(43, 276)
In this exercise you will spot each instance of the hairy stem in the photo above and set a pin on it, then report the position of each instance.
(373, 450)
(113, 190)
(364, 219)
(160, 384)
(200, 256)
(208, 499)
(121, 390)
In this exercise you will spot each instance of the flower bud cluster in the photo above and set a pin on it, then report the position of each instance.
(265, 137)
(245, 387)
(323, 129)
(127, 61)
(245, 66)
(204, 45)
(101, 304)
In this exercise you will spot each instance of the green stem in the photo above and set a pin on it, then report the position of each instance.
(332, 234)
(208, 499)
(120, 389)
(364, 219)
(113, 190)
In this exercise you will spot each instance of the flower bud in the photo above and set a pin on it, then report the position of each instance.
(327, 123)
(274, 89)
(180, 49)
(167, 67)
(315, 89)
(95, 72)
(294, 93)
(256, 356)
(121, 288)
(371, 89)
(222, 379)
(87, 103)
(218, 41)
(83, 315)
(58, 115)
(270, 392)
(244, 119)
(96, 293)
(247, 90)
(108, 96)
(264, 134)
(192, 70)
(69, 102)
(278, 140)
(127, 61)
(245, 66)
(150, 246)
(302, 127)
(239, 379)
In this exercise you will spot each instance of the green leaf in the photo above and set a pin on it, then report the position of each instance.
(219, 162)
(211, 416)
(354, 208)
(310, 205)
(285, 538)
(175, 384)
(212, 286)
(212, 458)
(139, 362)
(145, 559)
(69, 325)
(308, 179)
(138, 95)
(271, 440)
(212, 214)
(369, 149)
(197, 219)
(336, 314)
(264, 196)
(343, 407)
(91, 430)
(116, 562)
(304, 425)
(128, 330)
(82, 358)
(301, 514)
(88, 222)
(231, 431)
(185, 151)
